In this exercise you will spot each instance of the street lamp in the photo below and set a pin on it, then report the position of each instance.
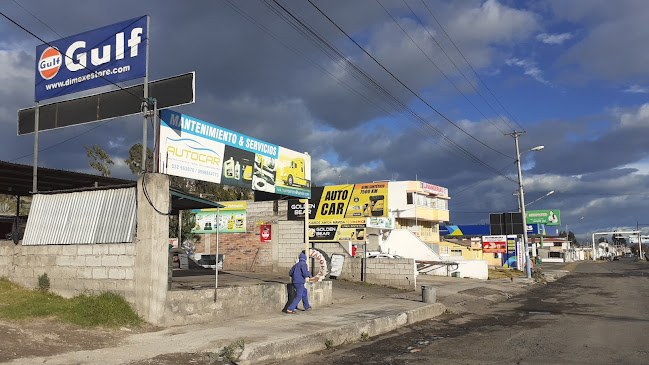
(546, 195)
(521, 196)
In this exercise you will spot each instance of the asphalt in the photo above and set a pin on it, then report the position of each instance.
(356, 312)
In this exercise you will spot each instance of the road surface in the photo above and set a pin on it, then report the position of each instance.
(599, 314)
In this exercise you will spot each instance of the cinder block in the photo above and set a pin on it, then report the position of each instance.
(84, 273)
(124, 260)
(116, 249)
(84, 250)
(100, 250)
(78, 260)
(100, 273)
(110, 260)
(93, 260)
(63, 261)
(129, 273)
(130, 249)
(69, 250)
(117, 274)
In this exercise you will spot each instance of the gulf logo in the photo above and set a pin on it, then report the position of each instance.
(50, 63)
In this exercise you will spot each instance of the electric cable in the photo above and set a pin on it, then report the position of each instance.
(468, 63)
(436, 66)
(421, 121)
(456, 66)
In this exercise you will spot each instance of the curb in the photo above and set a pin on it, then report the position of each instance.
(305, 344)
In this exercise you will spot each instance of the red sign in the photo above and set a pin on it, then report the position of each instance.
(265, 233)
(494, 244)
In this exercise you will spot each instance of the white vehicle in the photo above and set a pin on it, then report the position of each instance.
(380, 255)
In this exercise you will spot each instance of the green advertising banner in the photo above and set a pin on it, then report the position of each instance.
(547, 217)
(232, 219)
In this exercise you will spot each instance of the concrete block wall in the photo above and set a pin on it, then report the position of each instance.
(72, 269)
(289, 243)
(198, 306)
(241, 250)
(398, 273)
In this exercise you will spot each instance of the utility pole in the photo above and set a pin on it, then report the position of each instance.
(521, 196)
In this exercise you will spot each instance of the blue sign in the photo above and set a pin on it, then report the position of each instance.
(536, 229)
(99, 57)
(465, 230)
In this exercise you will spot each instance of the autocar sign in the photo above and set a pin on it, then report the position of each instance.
(494, 244)
(92, 59)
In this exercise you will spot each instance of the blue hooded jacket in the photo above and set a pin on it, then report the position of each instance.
(299, 272)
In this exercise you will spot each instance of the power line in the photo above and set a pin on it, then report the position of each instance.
(420, 120)
(403, 84)
(468, 63)
(457, 68)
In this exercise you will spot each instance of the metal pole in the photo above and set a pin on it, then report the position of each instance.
(216, 268)
(35, 167)
(521, 196)
(146, 101)
(306, 230)
(180, 228)
(640, 245)
(593, 253)
(156, 142)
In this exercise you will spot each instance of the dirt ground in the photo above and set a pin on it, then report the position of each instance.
(50, 337)
(42, 338)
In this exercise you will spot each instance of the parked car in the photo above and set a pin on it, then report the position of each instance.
(380, 255)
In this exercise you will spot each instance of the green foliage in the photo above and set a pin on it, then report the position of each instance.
(329, 344)
(232, 352)
(107, 309)
(44, 283)
(99, 159)
(134, 160)
(189, 220)
(365, 336)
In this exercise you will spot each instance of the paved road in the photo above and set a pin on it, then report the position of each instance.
(599, 314)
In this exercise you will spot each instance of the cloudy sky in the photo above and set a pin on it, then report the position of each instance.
(389, 89)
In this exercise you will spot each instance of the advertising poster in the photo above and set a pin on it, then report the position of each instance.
(195, 149)
(337, 230)
(380, 222)
(293, 178)
(547, 217)
(232, 219)
(494, 244)
(265, 233)
(368, 200)
(510, 258)
(84, 61)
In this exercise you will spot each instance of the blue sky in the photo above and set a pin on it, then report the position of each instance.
(572, 74)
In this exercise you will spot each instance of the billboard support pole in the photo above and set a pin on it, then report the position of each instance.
(306, 230)
(156, 136)
(35, 167)
(146, 101)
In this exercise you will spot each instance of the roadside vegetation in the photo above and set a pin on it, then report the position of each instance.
(104, 310)
(504, 273)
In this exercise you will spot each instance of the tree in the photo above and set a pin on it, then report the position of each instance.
(571, 237)
(134, 160)
(99, 159)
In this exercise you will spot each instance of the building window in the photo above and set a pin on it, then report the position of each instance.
(409, 198)
(443, 250)
(456, 252)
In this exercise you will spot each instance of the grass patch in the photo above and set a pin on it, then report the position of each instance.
(105, 310)
(504, 273)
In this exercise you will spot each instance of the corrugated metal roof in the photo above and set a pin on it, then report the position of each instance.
(86, 217)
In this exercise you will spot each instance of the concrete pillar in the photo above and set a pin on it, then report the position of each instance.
(152, 246)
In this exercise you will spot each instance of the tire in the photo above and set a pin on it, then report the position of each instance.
(289, 181)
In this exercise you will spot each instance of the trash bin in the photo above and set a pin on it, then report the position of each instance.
(428, 294)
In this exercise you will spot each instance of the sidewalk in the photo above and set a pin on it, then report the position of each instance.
(358, 310)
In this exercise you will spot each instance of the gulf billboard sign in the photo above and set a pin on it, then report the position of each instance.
(99, 57)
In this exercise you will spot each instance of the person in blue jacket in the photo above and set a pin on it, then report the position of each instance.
(299, 275)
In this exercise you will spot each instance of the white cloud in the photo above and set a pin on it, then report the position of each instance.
(637, 89)
(638, 119)
(553, 38)
(529, 69)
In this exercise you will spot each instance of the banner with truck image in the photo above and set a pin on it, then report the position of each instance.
(232, 219)
(340, 212)
(195, 149)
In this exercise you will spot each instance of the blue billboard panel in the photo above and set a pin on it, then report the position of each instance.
(465, 230)
(99, 57)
